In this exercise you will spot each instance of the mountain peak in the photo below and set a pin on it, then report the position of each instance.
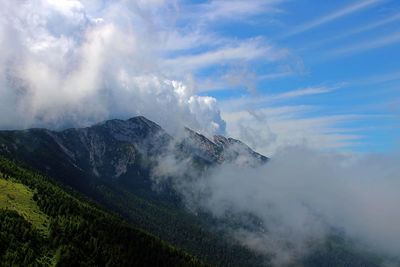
(116, 144)
(221, 149)
(144, 120)
(221, 140)
(134, 121)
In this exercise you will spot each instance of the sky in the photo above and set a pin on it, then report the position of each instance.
(272, 73)
(327, 74)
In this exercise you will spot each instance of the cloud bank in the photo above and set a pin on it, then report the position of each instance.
(72, 63)
(289, 206)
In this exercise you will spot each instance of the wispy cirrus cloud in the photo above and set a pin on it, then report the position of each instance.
(247, 50)
(361, 47)
(176, 40)
(255, 101)
(304, 92)
(232, 9)
(377, 78)
(347, 10)
(357, 30)
(193, 46)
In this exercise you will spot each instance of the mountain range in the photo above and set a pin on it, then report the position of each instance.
(109, 168)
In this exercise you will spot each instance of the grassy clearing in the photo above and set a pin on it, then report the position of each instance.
(18, 197)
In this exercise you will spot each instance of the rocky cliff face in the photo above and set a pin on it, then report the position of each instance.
(220, 149)
(115, 148)
(110, 148)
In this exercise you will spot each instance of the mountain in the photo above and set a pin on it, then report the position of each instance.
(111, 164)
(115, 148)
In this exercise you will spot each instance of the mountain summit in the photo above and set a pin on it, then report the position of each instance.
(112, 148)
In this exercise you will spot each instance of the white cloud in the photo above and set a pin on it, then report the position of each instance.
(269, 129)
(62, 68)
(68, 8)
(291, 204)
(286, 209)
(70, 62)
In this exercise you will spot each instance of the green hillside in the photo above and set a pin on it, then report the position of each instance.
(18, 197)
(42, 224)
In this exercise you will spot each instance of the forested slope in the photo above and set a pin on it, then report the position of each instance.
(73, 232)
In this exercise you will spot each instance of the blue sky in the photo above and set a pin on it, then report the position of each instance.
(272, 73)
(331, 67)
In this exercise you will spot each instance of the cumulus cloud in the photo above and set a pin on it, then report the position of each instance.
(77, 62)
(73, 63)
